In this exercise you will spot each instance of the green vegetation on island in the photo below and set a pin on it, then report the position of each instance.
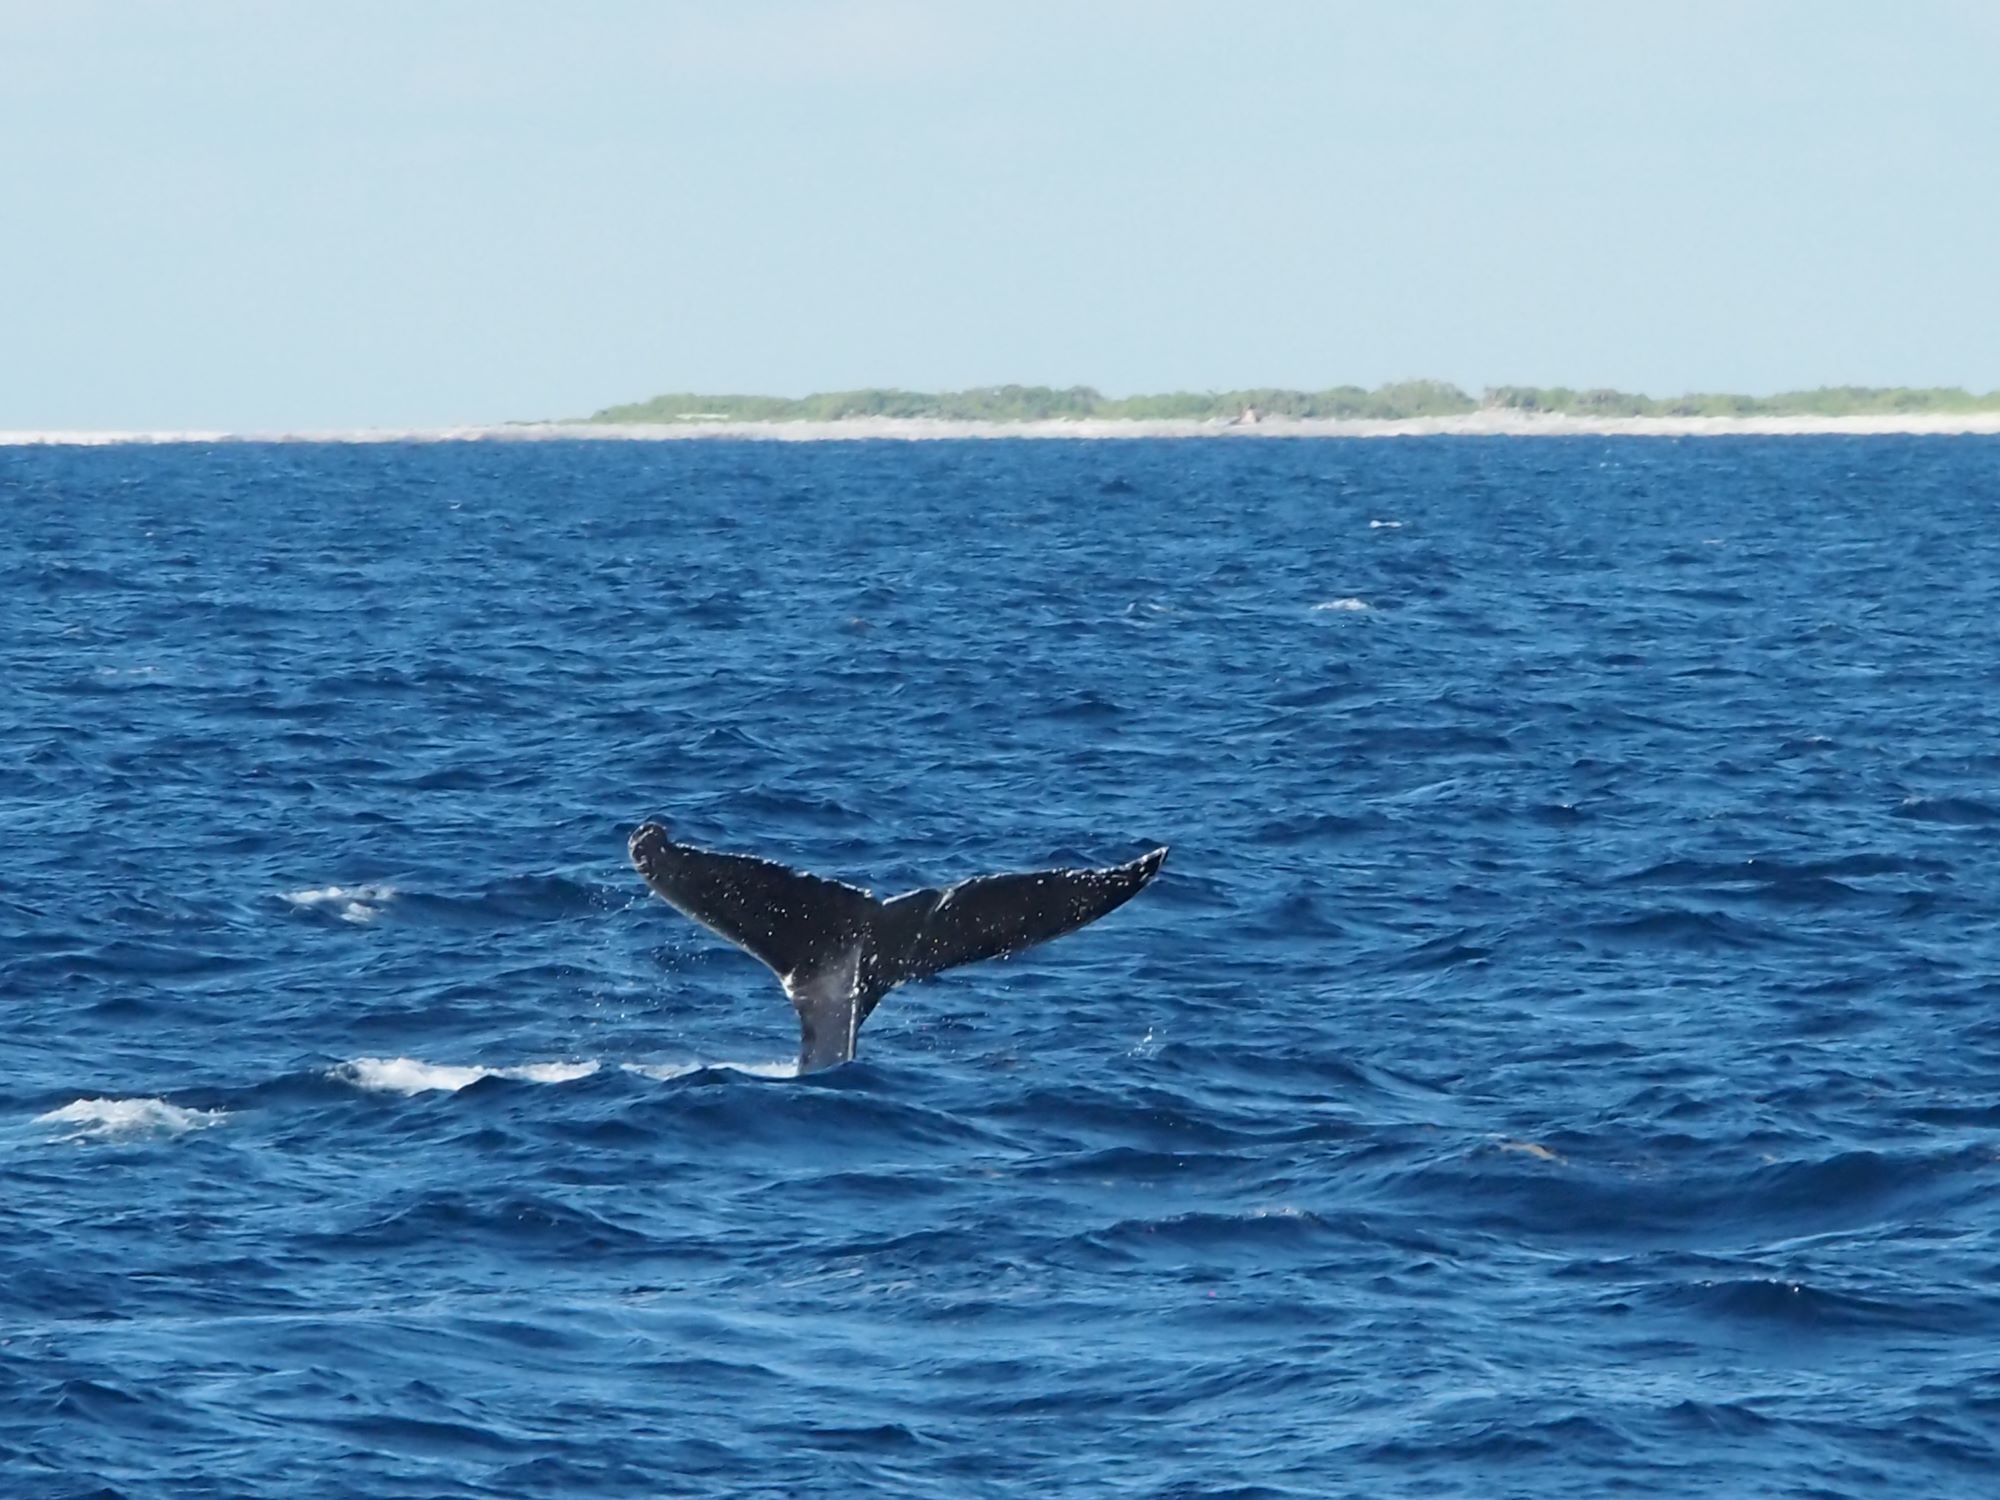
(1041, 403)
(1401, 401)
(1826, 401)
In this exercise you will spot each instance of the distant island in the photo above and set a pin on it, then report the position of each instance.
(1411, 408)
(1408, 400)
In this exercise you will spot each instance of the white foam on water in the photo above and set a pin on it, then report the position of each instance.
(1385, 525)
(1342, 604)
(407, 1075)
(108, 1119)
(352, 903)
(783, 1068)
(410, 1075)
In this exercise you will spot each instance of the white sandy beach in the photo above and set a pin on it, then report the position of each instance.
(855, 429)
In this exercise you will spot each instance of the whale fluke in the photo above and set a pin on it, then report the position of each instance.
(837, 950)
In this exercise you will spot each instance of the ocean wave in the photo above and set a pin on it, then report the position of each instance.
(508, 902)
(117, 1119)
(668, 1071)
(1959, 812)
(1686, 929)
(508, 1216)
(407, 1075)
(351, 903)
(1802, 1304)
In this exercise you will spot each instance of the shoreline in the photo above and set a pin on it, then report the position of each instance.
(921, 429)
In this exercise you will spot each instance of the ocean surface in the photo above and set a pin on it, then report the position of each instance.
(1561, 1057)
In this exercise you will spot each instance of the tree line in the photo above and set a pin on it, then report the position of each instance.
(1401, 400)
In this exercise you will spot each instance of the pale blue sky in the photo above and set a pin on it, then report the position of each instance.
(250, 214)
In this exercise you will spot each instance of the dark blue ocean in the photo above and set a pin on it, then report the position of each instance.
(1561, 1057)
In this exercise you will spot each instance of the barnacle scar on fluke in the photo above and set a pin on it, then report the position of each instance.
(837, 950)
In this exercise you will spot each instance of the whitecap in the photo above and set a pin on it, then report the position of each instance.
(1385, 525)
(406, 1075)
(1342, 604)
(352, 903)
(106, 1119)
(783, 1068)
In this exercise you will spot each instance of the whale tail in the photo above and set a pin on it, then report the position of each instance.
(838, 950)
